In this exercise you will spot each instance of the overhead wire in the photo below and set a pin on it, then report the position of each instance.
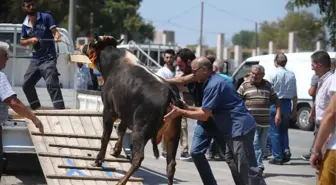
(230, 13)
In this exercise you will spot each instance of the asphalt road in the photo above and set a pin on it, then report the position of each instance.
(295, 172)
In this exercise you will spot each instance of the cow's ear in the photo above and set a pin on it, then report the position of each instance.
(120, 41)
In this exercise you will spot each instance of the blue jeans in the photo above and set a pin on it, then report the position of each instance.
(260, 140)
(279, 133)
(200, 143)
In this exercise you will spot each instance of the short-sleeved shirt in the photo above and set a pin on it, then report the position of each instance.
(284, 83)
(258, 99)
(313, 82)
(6, 91)
(332, 142)
(227, 77)
(229, 112)
(323, 95)
(165, 73)
(44, 49)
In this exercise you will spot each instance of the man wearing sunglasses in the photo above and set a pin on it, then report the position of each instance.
(224, 117)
(39, 30)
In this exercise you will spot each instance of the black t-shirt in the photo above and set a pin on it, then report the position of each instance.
(196, 90)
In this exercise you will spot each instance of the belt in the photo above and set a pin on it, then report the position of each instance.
(285, 99)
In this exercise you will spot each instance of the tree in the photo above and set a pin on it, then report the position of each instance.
(308, 30)
(111, 17)
(244, 38)
(327, 10)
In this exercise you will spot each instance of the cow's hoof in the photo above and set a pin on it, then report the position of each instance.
(116, 152)
(97, 164)
(121, 183)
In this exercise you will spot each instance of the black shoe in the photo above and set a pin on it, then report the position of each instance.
(287, 155)
(261, 170)
(163, 155)
(266, 155)
(185, 156)
(305, 157)
(275, 162)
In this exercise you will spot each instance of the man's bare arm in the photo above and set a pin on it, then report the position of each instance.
(197, 114)
(20, 108)
(182, 80)
(327, 125)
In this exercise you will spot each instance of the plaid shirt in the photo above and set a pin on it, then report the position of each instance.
(6, 91)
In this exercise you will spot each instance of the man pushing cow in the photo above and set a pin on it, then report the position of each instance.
(39, 30)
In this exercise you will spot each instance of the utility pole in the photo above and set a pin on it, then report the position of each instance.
(72, 19)
(91, 22)
(256, 38)
(201, 29)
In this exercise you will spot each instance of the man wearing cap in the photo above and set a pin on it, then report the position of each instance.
(284, 84)
(8, 98)
(39, 30)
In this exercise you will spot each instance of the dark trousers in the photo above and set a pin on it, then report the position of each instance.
(240, 157)
(215, 150)
(200, 143)
(48, 70)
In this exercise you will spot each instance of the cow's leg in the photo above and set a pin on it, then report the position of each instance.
(107, 130)
(172, 141)
(139, 140)
(118, 146)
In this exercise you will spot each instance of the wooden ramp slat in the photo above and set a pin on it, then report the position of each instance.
(70, 145)
(96, 178)
(70, 135)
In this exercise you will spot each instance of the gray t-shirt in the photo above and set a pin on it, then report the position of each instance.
(314, 81)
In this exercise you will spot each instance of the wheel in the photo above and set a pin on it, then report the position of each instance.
(303, 119)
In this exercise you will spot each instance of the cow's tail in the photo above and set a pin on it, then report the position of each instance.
(174, 99)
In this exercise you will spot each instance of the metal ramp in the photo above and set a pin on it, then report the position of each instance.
(70, 144)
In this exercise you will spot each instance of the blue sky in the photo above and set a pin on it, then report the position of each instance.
(223, 16)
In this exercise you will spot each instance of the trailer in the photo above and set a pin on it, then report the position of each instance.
(72, 136)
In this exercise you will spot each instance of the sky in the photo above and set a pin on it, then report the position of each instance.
(220, 16)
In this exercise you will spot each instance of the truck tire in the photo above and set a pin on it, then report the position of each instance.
(303, 119)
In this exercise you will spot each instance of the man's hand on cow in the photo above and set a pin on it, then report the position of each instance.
(174, 113)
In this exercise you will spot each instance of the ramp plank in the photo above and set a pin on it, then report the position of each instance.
(65, 152)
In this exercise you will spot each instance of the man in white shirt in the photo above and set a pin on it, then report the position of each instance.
(169, 71)
(325, 164)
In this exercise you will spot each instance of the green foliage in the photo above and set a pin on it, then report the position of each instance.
(244, 38)
(111, 17)
(308, 28)
(327, 10)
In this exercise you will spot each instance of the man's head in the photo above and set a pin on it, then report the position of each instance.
(212, 58)
(3, 56)
(29, 7)
(257, 74)
(320, 62)
(184, 57)
(218, 66)
(169, 57)
(202, 68)
(280, 60)
(333, 63)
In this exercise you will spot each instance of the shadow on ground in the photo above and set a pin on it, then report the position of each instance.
(153, 177)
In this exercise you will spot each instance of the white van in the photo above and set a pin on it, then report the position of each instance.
(300, 64)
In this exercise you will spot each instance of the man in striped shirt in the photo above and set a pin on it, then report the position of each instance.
(258, 95)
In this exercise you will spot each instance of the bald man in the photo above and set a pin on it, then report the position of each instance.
(232, 123)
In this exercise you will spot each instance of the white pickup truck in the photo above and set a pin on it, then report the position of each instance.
(15, 136)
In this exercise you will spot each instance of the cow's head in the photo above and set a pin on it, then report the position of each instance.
(94, 48)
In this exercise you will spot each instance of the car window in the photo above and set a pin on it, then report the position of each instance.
(21, 51)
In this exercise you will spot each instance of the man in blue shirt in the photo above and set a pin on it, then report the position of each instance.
(232, 122)
(39, 30)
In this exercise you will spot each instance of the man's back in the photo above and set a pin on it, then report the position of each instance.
(229, 111)
(284, 83)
